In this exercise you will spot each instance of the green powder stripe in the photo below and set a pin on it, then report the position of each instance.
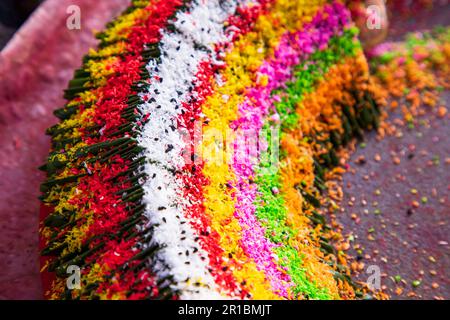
(270, 207)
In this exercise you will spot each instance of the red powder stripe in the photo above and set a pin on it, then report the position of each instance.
(97, 190)
(192, 173)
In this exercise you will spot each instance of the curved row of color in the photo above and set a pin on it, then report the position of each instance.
(191, 158)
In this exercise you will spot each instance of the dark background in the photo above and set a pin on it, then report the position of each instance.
(12, 15)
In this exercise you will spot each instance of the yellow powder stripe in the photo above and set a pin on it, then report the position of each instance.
(123, 24)
(100, 70)
(221, 109)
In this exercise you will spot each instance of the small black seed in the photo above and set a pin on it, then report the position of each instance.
(169, 148)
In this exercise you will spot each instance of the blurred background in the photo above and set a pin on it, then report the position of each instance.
(13, 14)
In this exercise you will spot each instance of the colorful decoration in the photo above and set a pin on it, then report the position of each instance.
(415, 69)
(191, 156)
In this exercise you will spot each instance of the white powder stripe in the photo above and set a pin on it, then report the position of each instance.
(181, 257)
